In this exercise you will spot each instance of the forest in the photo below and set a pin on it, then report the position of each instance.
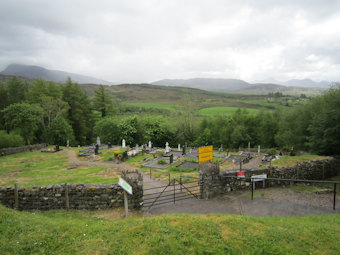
(39, 111)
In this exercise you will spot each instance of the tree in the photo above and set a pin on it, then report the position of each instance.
(102, 102)
(24, 118)
(80, 113)
(60, 132)
(17, 90)
(107, 129)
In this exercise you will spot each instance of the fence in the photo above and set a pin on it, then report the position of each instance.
(266, 182)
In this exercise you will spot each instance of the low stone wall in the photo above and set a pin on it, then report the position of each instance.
(74, 196)
(214, 182)
(12, 150)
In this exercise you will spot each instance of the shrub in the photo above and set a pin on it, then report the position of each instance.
(10, 140)
(161, 162)
(271, 152)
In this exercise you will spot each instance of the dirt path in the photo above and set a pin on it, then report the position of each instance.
(253, 163)
(117, 167)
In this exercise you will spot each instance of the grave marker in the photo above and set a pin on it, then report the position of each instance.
(123, 143)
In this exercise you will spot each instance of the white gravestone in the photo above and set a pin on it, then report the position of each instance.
(68, 143)
(179, 147)
(98, 140)
(167, 147)
(150, 145)
(123, 143)
(259, 149)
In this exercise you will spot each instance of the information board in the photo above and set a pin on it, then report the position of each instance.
(125, 185)
(205, 154)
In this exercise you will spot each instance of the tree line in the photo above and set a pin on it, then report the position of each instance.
(47, 112)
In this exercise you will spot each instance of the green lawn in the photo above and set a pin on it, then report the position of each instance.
(212, 111)
(80, 232)
(169, 107)
(292, 160)
(38, 168)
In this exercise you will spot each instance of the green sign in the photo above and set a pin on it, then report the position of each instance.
(125, 185)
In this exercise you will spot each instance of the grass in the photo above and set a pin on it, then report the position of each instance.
(169, 107)
(38, 168)
(62, 232)
(292, 160)
(212, 111)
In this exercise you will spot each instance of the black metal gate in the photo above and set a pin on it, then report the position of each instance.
(172, 192)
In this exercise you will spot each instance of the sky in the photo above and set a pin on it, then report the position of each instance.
(148, 40)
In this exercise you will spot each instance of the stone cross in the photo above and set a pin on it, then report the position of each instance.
(167, 147)
(150, 145)
(123, 143)
(98, 140)
(179, 147)
(259, 149)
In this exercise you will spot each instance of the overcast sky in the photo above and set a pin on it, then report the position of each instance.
(148, 40)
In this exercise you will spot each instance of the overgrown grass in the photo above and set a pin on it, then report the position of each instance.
(38, 168)
(61, 232)
(292, 160)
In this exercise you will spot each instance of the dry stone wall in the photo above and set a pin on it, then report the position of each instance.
(214, 182)
(12, 150)
(74, 196)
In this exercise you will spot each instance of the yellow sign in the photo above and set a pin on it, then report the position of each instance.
(205, 154)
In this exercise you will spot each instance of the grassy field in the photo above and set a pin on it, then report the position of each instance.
(38, 168)
(78, 232)
(156, 106)
(213, 111)
(292, 160)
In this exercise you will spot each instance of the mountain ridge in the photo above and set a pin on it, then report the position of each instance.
(34, 72)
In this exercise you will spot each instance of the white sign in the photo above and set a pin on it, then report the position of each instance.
(125, 186)
(260, 177)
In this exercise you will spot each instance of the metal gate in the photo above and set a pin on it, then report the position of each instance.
(172, 192)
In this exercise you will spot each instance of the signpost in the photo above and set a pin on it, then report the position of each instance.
(241, 174)
(205, 154)
(127, 188)
(257, 178)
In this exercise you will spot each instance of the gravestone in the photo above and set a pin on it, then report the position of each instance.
(96, 149)
(171, 159)
(167, 149)
(109, 145)
(98, 140)
(137, 148)
(68, 143)
(123, 143)
(150, 145)
(179, 147)
(221, 147)
(183, 150)
(259, 149)
(248, 146)
(125, 156)
(57, 148)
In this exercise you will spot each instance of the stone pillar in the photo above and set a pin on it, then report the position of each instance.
(210, 180)
(135, 179)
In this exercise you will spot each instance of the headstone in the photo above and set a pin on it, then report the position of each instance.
(123, 143)
(183, 150)
(96, 150)
(167, 147)
(171, 159)
(109, 145)
(221, 147)
(57, 148)
(125, 156)
(179, 147)
(248, 146)
(137, 148)
(98, 140)
(68, 143)
(150, 145)
(259, 149)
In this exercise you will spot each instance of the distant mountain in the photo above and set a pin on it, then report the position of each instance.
(242, 87)
(34, 72)
(220, 85)
(307, 83)
(263, 89)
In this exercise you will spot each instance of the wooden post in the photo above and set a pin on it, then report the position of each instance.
(67, 201)
(126, 205)
(16, 197)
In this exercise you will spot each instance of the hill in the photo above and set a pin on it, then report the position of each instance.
(34, 72)
(241, 87)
